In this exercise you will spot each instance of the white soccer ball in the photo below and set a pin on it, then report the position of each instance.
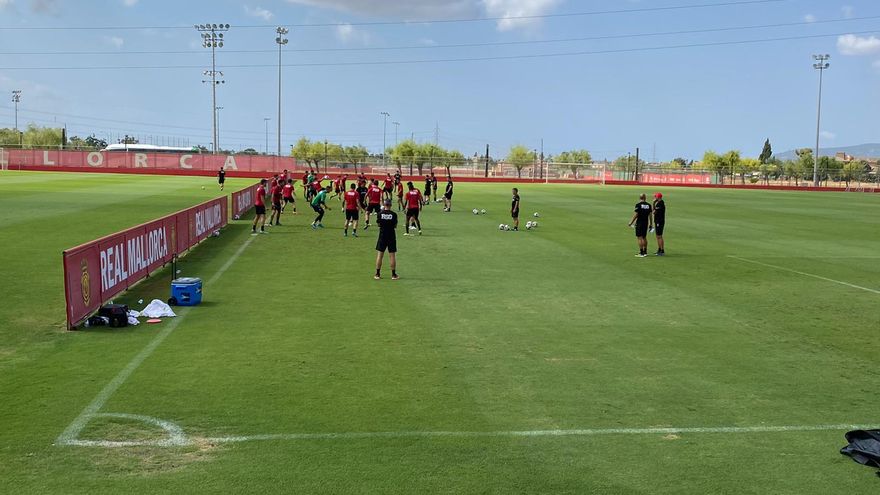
(536, 215)
(534, 224)
(476, 211)
(412, 227)
(483, 212)
(529, 225)
(203, 188)
(507, 227)
(501, 227)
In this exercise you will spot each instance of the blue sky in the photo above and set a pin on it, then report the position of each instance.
(635, 94)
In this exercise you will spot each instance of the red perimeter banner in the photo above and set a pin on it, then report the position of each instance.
(243, 201)
(97, 271)
(146, 161)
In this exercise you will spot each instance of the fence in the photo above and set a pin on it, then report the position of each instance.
(243, 201)
(97, 271)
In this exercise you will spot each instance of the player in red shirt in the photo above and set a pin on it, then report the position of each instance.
(413, 207)
(288, 195)
(374, 201)
(352, 201)
(388, 186)
(337, 187)
(307, 190)
(260, 206)
(316, 186)
(276, 192)
(400, 196)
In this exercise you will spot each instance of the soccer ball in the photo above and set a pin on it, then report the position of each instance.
(203, 188)
(501, 227)
(529, 225)
(412, 227)
(483, 212)
(536, 215)
(534, 224)
(476, 211)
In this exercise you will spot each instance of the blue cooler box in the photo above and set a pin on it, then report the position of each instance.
(186, 291)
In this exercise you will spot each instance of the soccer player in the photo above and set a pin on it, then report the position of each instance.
(434, 185)
(289, 196)
(397, 179)
(260, 206)
(374, 201)
(659, 223)
(447, 197)
(387, 240)
(337, 188)
(362, 190)
(400, 196)
(427, 189)
(276, 193)
(316, 186)
(388, 187)
(319, 202)
(642, 219)
(514, 209)
(221, 178)
(413, 207)
(352, 201)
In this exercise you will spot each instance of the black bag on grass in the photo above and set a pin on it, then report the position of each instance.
(864, 447)
(117, 313)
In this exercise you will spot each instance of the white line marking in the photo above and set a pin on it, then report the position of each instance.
(182, 440)
(70, 434)
(875, 291)
(176, 437)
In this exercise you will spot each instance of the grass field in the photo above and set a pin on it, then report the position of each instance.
(548, 361)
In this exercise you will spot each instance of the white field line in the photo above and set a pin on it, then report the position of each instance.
(840, 282)
(71, 433)
(176, 437)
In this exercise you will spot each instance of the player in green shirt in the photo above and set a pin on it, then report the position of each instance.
(319, 202)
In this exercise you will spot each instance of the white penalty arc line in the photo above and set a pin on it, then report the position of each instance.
(71, 433)
(839, 282)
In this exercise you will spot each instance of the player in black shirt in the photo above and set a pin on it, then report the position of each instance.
(659, 222)
(447, 197)
(514, 209)
(221, 178)
(428, 183)
(643, 220)
(434, 185)
(387, 221)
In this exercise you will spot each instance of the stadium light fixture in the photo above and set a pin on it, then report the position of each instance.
(212, 37)
(16, 98)
(821, 65)
(280, 40)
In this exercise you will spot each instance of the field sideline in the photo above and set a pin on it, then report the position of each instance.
(546, 361)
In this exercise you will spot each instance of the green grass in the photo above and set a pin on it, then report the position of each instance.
(555, 329)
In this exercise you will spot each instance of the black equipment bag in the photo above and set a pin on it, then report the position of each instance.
(864, 447)
(117, 313)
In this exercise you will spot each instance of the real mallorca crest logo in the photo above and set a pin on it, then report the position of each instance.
(84, 282)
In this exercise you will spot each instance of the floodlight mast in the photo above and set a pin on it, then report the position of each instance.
(212, 37)
(16, 98)
(385, 116)
(281, 41)
(821, 65)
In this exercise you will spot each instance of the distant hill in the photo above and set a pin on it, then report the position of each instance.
(860, 151)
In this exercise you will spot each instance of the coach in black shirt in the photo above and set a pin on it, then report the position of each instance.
(387, 221)
(659, 222)
(642, 219)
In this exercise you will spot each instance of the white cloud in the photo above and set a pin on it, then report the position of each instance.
(116, 41)
(508, 10)
(347, 33)
(411, 10)
(259, 12)
(810, 18)
(828, 135)
(848, 11)
(129, 3)
(850, 44)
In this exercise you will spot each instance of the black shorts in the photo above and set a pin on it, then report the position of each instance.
(641, 230)
(352, 214)
(289, 200)
(387, 190)
(276, 205)
(373, 209)
(427, 193)
(658, 228)
(318, 209)
(514, 214)
(387, 243)
(221, 181)
(261, 209)
(448, 195)
(412, 212)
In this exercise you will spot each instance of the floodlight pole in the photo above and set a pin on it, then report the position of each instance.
(212, 37)
(16, 98)
(281, 41)
(821, 65)
(385, 116)
(266, 121)
(217, 116)
(396, 129)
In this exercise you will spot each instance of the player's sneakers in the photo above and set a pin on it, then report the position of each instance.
(345, 234)
(320, 225)
(366, 226)
(395, 277)
(420, 232)
(641, 255)
(279, 224)
(263, 232)
(406, 234)
(377, 277)
(314, 226)
(355, 234)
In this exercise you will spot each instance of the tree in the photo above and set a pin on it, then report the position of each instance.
(129, 140)
(305, 150)
(76, 143)
(403, 153)
(95, 143)
(454, 158)
(520, 157)
(853, 170)
(682, 163)
(804, 165)
(746, 166)
(249, 151)
(574, 159)
(426, 154)
(766, 153)
(712, 161)
(628, 165)
(356, 155)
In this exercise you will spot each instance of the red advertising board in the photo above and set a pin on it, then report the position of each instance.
(97, 271)
(243, 201)
(145, 162)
